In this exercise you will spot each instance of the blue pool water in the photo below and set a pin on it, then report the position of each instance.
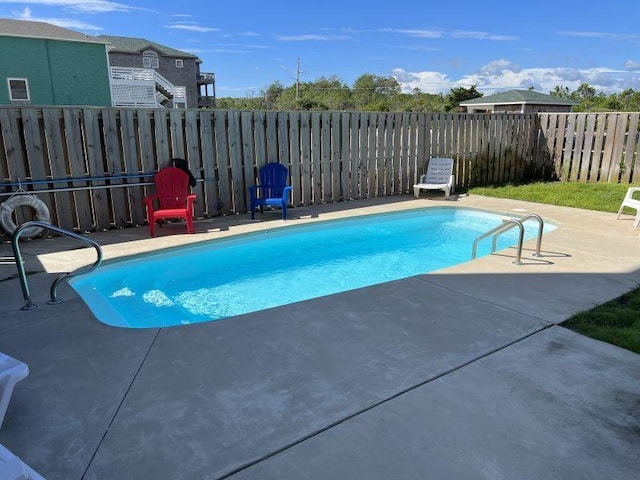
(222, 278)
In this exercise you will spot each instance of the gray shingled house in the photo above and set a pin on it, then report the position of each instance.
(518, 101)
(148, 74)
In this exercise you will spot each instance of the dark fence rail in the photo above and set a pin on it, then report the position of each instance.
(92, 167)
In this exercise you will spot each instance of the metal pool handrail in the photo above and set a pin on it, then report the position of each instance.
(54, 286)
(496, 231)
(540, 230)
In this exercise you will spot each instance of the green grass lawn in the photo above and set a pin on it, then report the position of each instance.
(605, 197)
(617, 321)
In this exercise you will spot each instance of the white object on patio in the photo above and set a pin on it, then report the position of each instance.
(630, 202)
(12, 468)
(11, 372)
(439, 176)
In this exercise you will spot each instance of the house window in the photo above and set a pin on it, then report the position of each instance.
(179, 63)
(18, 89)
(150, 59)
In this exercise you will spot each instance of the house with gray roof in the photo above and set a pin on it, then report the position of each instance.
(146, 73)
(42, 64)
(518, 101)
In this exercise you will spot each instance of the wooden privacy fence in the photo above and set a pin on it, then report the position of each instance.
(92, 167)
(590, 147)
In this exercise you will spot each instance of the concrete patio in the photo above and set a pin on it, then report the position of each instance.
(458, 374)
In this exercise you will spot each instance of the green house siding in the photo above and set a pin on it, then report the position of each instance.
(58, 72)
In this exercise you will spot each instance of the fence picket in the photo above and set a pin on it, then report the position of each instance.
(294, 139)
(608, 152)
(596, 162)
(381, 167)
(176, 131)
(36, 163)
(356, 158)
(131, 163)
(617, 160)
(364, 154)
(110, 132)
(569, 144)
(249, 160)
(587, 146)
(631, 150)
(316, 158)
(325, 148)
(345, 156)
(397, 153)
(193, 151)
(93, 147)
(147, 150)
(336, 162)
(163, 144)
(224, 168)
(372, 156)
(58, 166)
(208, 155)
(235, 160)
(272, 138)
(391, 165)
(305, 157)
(576, 157)
(404, 155)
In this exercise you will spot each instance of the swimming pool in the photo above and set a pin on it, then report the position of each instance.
(244, 274)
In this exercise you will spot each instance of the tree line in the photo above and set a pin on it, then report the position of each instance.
(373, 93)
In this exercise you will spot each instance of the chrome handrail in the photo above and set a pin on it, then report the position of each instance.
(496, 231)
(54, 286)
(540, 230)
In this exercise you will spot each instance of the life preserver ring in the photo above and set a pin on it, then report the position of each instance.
(8, 207)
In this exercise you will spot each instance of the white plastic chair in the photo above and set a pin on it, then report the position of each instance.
(13, 468)
(11, 372)
(439, 176)
(631, 202)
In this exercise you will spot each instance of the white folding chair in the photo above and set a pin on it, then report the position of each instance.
(631, 202)
(439, 176)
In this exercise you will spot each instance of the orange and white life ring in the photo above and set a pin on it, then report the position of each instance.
(9, 206)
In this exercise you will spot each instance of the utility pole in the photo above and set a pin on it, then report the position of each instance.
(298, 72)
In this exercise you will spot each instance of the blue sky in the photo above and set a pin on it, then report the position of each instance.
(433, 46)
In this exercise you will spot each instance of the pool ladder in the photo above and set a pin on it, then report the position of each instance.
(507, 225)
(54, 286)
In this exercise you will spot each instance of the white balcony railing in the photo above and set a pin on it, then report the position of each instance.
(138, 87)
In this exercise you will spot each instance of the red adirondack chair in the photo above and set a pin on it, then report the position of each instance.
(173, 198)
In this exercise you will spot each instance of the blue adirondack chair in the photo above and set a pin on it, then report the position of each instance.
(272, 190)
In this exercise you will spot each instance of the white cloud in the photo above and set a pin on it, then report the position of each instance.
(312, 37)
(415, 33)
(60, 22)
(427, 82)
(87, 6)
(604, 35)
(500, 75)
(496, 67)
(463, 34)
(421, 48)
(631, 65)
(474, 35)
(190, 27)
